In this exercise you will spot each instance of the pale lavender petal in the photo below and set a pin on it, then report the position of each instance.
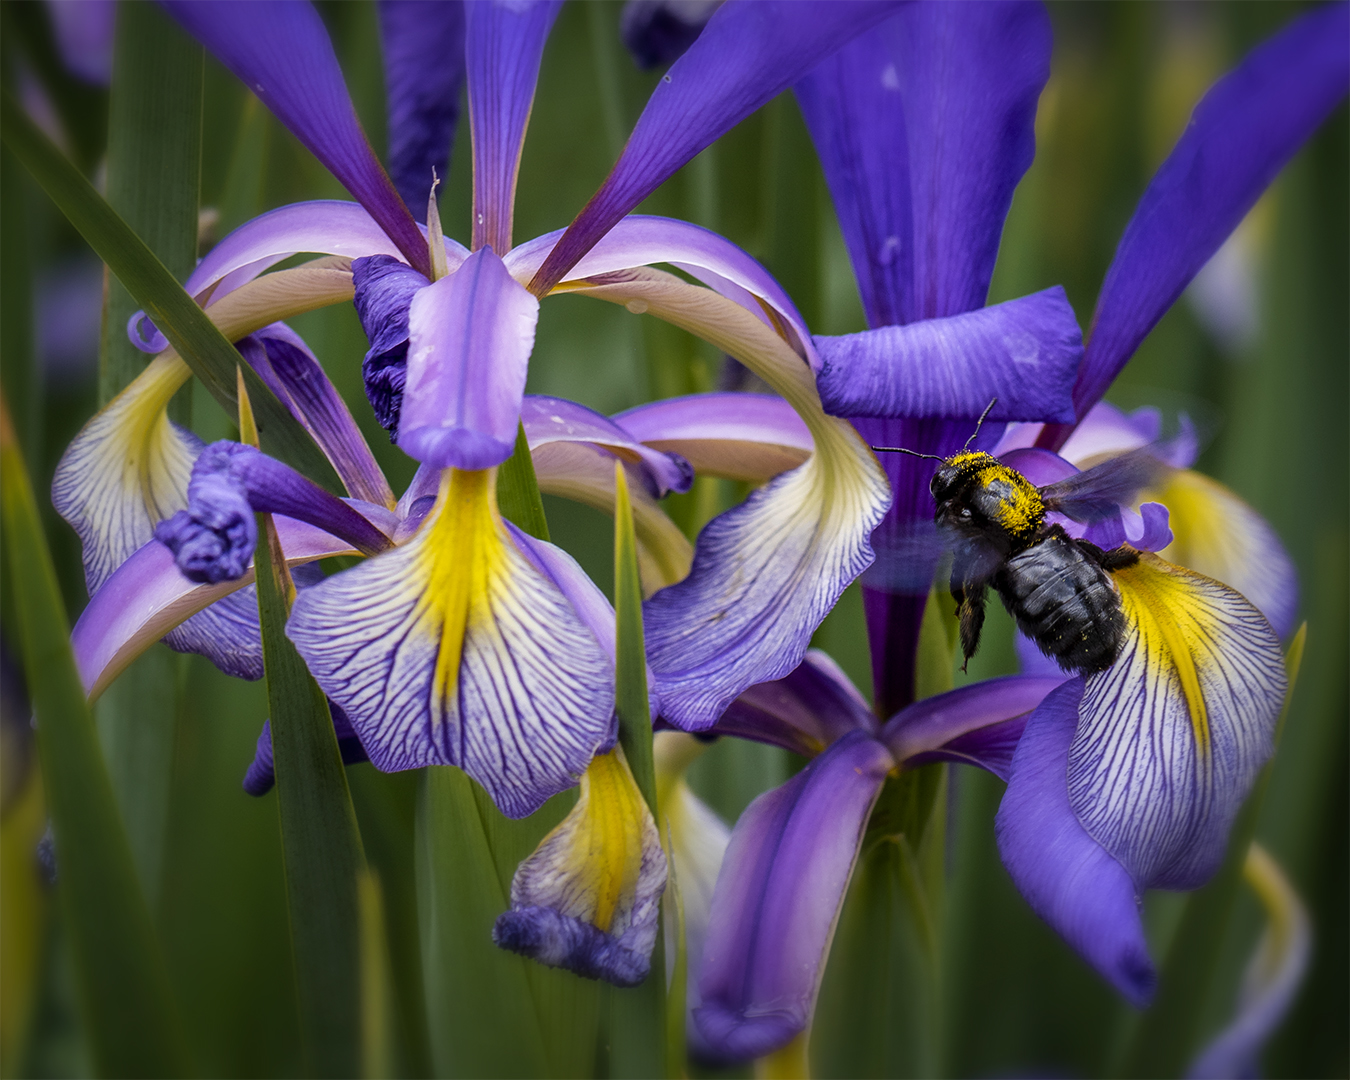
(1249, 124)
(1022, 355)
(470, 337)
(934, 722)
(746, 55)
(504, 42)
(924, 127)
(661, 31)
(1067, 877)
(281, 52)
(423, 45)
(778, 897)
(805, 711)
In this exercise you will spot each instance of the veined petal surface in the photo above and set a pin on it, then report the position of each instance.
(454, 649)
(589, 898)
(1171, 737)
(469, 344)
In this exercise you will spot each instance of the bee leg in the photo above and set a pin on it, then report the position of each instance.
(971, 620)
(1119, 558)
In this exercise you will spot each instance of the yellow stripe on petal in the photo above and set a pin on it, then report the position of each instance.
(588, 899)
(1170, 738)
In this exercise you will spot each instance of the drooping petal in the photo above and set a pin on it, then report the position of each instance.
(281, 52)
(748, 437)
(805, 711)
(1249, 124)
(1022, 355)
(1171, 737)
(589, 898)
(423, 45)
(261, 775)
(924, 126)
(1069, 879)
(504, 43)
(470, 338)
(768, 571)
(660, 31)
(454, 649)
(778, 897)
(745, 56)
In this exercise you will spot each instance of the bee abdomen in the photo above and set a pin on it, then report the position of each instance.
(1065, 602)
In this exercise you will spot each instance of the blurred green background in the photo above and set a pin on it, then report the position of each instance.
(1256, 353)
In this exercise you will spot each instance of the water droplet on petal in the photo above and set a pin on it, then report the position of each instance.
(637, 307)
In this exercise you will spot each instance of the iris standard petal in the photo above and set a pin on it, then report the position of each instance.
(454, 649)
(1069, 879)
(768, 571)
(281, 52)
(745, 56)
(469, 344)
(423, 46)
(1172, 735)
(778, 897)
(589, 898)
(1249, 124)
(747, 437)
(924, 127)
(1022, 355)
(504, 42)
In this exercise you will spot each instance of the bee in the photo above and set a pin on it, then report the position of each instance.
(1057, 587)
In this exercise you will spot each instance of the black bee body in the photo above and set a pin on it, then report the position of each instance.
(1059, 589)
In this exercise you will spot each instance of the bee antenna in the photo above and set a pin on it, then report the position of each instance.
(980, 423)
(902, 450)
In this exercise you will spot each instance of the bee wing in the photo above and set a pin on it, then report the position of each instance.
(1100, 491)
(907, 563)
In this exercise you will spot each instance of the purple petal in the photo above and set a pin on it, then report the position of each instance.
(990, 748)
(750, 437)
(470, 337)
(778, 897)
(1250, 123)
(1067, 877)
(661, 31)
(504, 43)
(1146, 530)
(551, 420)
(805, 711)
(281, 52)
(294, 374)
(383, 292)
(745, 56)
(924, 127)
(84, 35)
(1024, 353)
(261, 774)
(1041, 467)
(1172, 735)
(423, 44)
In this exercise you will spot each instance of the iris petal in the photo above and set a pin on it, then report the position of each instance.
(589, 898)
(1170, 738)
(455, 649)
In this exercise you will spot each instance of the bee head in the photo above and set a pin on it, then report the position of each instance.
(956, 473)
(978, 494)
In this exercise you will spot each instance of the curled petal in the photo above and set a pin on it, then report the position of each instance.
(748, 437)
(261, 775)
(455, 649)
(1069, 879)
(1022, 355)
(1148, 529)
(778, 897)
(1171, 736)
(589, 898)
(383, 293)
(470, 337)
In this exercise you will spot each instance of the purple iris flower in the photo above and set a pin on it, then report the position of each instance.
(1118, 782)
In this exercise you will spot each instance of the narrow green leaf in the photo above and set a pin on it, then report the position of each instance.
(321, 845)
(1167, 1035)
(518, 491)
(630, 691)
(677, 1063)
(376, 983)
(122, 983)
(202, 346)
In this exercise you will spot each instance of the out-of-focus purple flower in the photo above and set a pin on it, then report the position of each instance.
(660, 31)
(84, 35)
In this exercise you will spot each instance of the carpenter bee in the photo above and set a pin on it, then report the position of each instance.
(1057, 587)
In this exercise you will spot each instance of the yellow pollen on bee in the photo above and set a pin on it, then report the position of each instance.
(1020, 508)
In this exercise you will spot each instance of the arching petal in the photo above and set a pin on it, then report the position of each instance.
(1171, 737)
(282, 53)
(1249, 124)
(504, 42)
(778, 897)
(423, 45)
(589, 898)
(1022, 356)
(745, 56)
(470, 338)
(1069, 879)
(455, 649)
